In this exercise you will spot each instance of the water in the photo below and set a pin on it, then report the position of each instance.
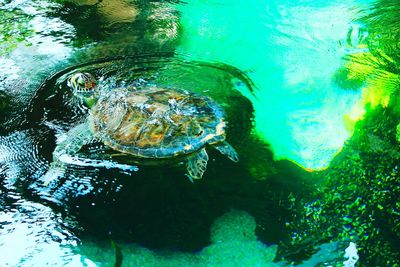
(293, 93)
(294, 78)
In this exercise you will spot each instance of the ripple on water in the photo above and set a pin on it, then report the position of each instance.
(98, 184)
(20, 157)
(55, 107)
(34, 235)
(106, 194)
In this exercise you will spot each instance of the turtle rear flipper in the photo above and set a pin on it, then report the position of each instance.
(226, 149)
(197, 165)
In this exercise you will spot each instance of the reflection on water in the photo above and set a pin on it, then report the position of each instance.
(29, 231)
(290, 50)
(19, 157)
(33, 235)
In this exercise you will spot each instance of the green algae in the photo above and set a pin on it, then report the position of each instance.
(358, 199)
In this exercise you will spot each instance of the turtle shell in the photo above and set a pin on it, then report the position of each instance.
(156, 122)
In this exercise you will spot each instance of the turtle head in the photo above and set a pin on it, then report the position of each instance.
(84, 86)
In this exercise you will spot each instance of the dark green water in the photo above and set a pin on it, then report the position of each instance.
(310, 92)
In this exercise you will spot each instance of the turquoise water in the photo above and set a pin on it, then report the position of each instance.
(291, 51)
(309, 93)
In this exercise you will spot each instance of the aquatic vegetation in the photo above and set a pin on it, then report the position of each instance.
(358, 200)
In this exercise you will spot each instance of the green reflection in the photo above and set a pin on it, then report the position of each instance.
(14, 29)
(287, 51)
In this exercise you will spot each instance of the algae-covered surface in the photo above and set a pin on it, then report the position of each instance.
(310, 92)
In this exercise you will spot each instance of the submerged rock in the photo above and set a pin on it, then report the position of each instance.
(234, 243)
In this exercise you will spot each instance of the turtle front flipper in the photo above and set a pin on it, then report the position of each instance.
(197, 165)
(226, 149)
(75, 138)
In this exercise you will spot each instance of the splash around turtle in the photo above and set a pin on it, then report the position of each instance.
(149, 123)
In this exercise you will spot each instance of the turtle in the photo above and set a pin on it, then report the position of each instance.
(148, 123)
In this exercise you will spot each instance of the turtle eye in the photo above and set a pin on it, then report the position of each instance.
(82, 82)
